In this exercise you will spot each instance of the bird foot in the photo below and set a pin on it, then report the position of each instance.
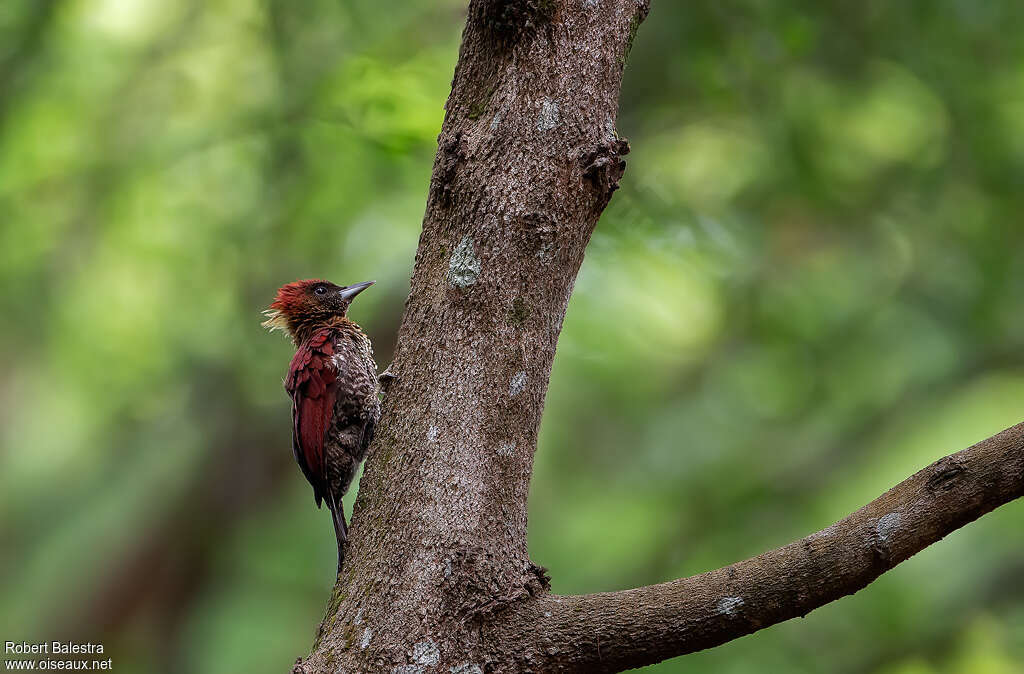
(386, 378)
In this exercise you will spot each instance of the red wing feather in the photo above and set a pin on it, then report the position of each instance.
(312, 383)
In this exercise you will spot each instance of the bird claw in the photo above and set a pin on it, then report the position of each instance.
(386, 378)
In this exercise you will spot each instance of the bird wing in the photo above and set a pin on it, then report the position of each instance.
(312, 385)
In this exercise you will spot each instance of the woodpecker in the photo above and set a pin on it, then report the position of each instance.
(332, 381)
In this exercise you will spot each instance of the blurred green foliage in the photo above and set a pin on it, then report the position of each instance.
(808, 287)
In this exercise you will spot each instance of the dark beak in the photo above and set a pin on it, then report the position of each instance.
(351, 291)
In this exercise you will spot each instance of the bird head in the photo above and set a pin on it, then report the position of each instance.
(305, 305)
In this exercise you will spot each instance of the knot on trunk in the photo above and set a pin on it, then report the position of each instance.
(945, 473)
(603, 167)
(481, 586)
(541, 581)
(453, 151)
(511, 21)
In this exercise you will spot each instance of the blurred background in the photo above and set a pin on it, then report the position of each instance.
(816, 259)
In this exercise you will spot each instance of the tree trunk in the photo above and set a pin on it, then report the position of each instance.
(437, 576)
(527, 159)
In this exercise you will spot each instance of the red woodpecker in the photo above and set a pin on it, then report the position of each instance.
(332, 381)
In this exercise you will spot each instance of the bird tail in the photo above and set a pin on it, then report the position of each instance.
(340, 528)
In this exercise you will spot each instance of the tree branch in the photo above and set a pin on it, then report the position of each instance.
(613, 631)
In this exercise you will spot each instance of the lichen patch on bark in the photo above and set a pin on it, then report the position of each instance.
(464, 265)
(547, 119)
(517, 384)
(730, 605)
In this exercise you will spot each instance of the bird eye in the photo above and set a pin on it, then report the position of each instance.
(320, 290)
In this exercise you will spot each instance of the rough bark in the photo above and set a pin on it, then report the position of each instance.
(527, 159)
(437, 576)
